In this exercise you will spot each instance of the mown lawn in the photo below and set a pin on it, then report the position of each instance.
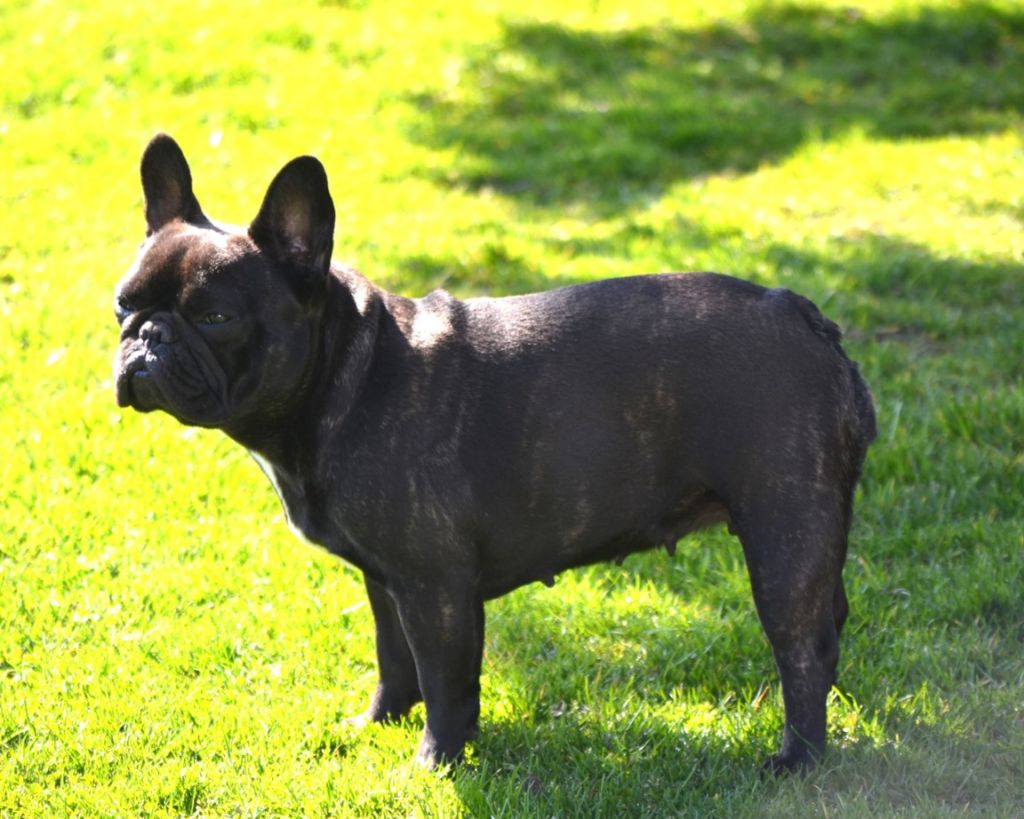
(167, 648)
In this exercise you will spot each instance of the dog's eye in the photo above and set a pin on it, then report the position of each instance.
(122, 308)
(215, 318)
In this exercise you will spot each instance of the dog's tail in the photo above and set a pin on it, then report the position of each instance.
(862, 426)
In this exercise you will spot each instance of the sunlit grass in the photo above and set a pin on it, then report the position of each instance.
(167, 648)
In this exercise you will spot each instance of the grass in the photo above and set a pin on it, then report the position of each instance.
(168, 649)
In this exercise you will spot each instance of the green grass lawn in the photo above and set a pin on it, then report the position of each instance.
(167, 648)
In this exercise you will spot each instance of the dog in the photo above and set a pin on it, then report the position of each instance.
(453, 450)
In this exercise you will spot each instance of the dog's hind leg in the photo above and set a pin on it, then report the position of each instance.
(794, 554)
(840, 607)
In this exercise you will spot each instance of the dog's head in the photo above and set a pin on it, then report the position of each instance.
(218, 324)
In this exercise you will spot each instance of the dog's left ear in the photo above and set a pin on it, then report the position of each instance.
(296, 221)
(167, 185)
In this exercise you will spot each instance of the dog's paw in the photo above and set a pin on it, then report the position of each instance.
(786, 764)
(358, 722)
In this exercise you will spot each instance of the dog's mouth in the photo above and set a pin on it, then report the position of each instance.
(150, 378)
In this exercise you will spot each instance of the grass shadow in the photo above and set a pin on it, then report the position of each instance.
(570, 766)
(893, 288)
(491, 269)
(552, 114)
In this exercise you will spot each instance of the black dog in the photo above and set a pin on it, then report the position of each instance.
(454, 450)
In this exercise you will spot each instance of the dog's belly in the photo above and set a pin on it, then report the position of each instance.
(544, 547)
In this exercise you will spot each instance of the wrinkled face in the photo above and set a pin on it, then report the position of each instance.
(219, 325)
(209, 331)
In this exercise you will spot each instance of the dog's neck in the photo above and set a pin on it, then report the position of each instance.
(345, 336)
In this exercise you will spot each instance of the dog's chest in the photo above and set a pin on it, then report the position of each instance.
(296, 508)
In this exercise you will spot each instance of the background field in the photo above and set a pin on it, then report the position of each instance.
(167, 648)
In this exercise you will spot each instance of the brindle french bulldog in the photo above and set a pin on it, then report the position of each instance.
(454, 450)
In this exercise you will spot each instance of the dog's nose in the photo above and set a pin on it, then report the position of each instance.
(156, 332)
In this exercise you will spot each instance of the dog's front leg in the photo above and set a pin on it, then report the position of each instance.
(398, 687)
(444, 624)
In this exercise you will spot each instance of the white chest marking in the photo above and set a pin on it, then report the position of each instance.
(268, 470)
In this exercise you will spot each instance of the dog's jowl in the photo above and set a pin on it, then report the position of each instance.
(454, 450)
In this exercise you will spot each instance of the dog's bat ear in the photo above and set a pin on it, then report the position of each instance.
(296, 221)
(167, 185)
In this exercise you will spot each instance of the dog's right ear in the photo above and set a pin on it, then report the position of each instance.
(296, 221)
(167, 185)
